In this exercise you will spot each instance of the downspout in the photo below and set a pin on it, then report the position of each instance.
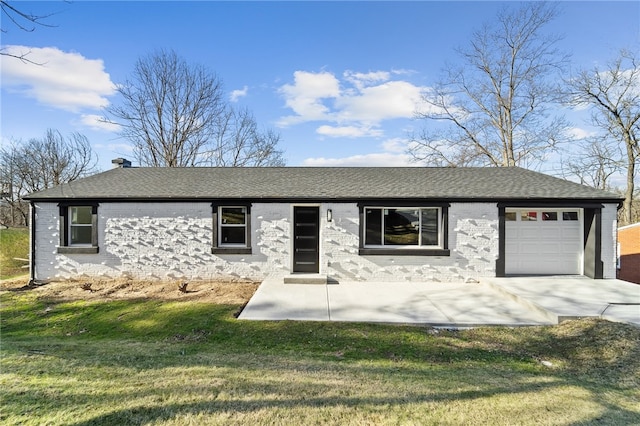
(32, 254)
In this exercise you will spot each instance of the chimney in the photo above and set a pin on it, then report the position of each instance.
(121, 163)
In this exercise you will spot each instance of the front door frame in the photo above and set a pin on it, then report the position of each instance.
(294, 268)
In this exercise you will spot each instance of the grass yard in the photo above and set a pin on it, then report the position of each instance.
(14, 242)
(170, 362)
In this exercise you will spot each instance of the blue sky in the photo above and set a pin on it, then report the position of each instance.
(338, 80)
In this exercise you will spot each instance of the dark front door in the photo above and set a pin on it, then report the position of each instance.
(306, 227)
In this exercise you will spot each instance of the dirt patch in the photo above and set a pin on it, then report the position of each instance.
(117, 289)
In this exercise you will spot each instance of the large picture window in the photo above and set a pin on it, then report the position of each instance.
(78, 229)
(403, 230)
(232, 230)
(402, 227)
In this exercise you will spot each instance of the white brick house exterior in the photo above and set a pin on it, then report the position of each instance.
(173, 241)
(175, 237)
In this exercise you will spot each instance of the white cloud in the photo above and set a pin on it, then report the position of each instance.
(393, 155)
(116, 147)
(360, 80)
(348, 131)
(239, 93)
(382, 159)
(393, 99)
(97, 122)
(579, 133)
(64, 80)
(355, 105)
(305, 96)
(395, 145)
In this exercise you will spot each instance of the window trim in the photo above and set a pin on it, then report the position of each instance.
(65, 246)
(218, 247)
(388, 250)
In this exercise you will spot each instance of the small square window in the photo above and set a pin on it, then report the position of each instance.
(528, 216)
(569, 215)
(510, 216)
(78, 233)
(232, 226)
(549, 216)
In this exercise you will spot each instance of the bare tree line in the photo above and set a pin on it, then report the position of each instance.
(495, 107)
(38, 164)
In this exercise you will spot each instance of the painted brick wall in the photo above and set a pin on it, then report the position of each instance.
(173, 241)
(629, 239)
(473, 241)
(163, 241)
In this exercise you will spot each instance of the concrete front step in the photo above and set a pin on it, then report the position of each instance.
(305, 279)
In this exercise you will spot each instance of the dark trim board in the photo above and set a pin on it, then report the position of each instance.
(513, 202)
(501, 264)
(32, 257)
(593, 265)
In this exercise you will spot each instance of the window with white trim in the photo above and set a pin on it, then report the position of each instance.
(78, 228)
(80, 225)
(232, 229)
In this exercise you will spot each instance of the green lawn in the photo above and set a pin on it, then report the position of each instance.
(14, 242)
(176, 363)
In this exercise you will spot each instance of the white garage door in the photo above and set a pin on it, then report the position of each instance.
(543, 241)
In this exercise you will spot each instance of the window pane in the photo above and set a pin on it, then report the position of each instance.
(233, 215)
(373, 232)
(528, 216)
(549, 215)
(569, 215)
(429, 227)
(232, 235)
(81, 215)
(401, 227)
(510, 216)
(81, 234)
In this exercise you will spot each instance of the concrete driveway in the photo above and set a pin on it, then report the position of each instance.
(512, 301)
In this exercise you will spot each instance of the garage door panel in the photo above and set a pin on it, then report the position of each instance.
(543, 246)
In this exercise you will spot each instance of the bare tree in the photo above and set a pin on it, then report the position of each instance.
(613, 94)
(594, 161)
(42, 163)
(24, 21)
(175, 115)
(492, 109)
(239, 142)
(169, 110)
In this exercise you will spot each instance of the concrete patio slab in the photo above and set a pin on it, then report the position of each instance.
(275, 300)
(509, 301)
(569, 297)
(438, 304)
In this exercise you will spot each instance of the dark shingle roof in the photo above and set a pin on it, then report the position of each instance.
(319, 183)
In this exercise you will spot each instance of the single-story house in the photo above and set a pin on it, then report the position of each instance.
(629, 253)
(358, 223)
